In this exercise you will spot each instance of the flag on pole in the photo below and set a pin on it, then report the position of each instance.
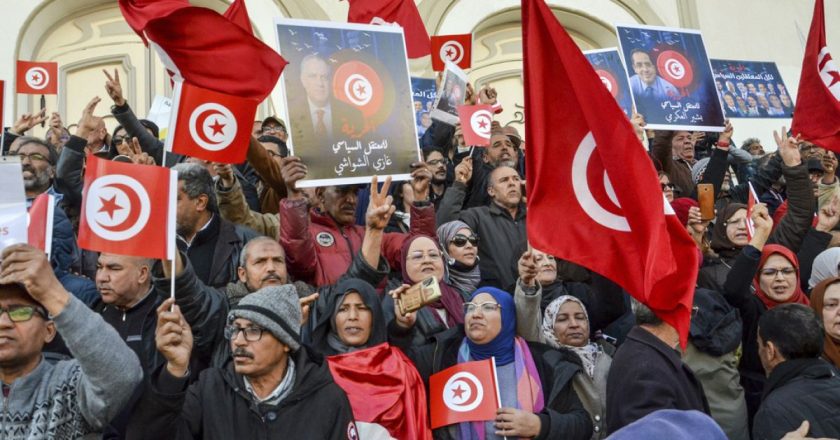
(465, 392)
(401, 12)
(752, 199)
(455, 48)
(128, 209)
(210, 125)
(816, 115)
(476, 124)
(602, 177)
(37, 78)
(39, 224)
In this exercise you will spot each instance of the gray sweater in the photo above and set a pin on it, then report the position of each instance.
(69, 399)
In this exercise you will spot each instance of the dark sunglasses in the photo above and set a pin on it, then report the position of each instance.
(460, 240)
(670, 186)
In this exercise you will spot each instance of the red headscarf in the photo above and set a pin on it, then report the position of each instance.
(798, 296)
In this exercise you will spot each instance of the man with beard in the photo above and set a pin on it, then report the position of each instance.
(501, 151)
(438, 165)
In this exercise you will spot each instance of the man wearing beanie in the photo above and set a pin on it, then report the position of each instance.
(273, 388)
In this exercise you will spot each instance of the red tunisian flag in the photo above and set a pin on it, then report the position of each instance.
(455, 48)
(402, 12)
(205, 48)
(37, 78)
(817, 112)
(626, 232)
(465, 392)
(39, 224)
(210, 125)
(476, 122)
(384, 388)
(238, 13)
(128, 209)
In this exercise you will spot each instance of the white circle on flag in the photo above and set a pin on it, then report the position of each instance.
(358, 89)
(117, 207)
(463, 392)
(212, 126)
(607, 83)
(583, 193)
(675, 68)
(453, 51)
(37, 77)
(481, 123)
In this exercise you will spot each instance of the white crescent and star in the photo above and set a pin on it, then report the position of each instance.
(463, 392)
(358, 89)
(117, 207)
(37, 77)
(452, 50)
(212, 126)
(829, 72)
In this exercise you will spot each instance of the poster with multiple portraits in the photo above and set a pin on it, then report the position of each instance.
(670, 77)
(423, 90)
(609, 67)
(751, 89)
(348, 98)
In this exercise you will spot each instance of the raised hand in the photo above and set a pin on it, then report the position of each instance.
(225, 173)
(27, 121)
(763, 225)
(381, 205)
(114, 88)
(726, 135)
(788, 147)
(487, 95)
(134, 152)
(173, 338)
(638, 121)
(463, 172)
(527, 267)
(292, 169)
(306, 307)
(829, 215)
(405, 321)
(88, 123)
(421, 178)
(29, 266)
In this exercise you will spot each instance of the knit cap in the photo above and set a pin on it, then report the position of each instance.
(274, 308)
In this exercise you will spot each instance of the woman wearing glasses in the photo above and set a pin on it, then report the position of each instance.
(460, 250)
(825, 300)
(422, 258)
(535, 382)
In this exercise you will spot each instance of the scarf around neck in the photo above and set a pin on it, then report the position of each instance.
(588, 354)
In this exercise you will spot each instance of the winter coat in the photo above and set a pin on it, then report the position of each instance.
(319, 251)
(226, 246)
(797, 390)
(218, 406)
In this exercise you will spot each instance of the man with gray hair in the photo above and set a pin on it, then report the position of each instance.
(272, 377)
(647, 373)
(211, 243)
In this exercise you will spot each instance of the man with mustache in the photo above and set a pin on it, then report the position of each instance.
(273, 388)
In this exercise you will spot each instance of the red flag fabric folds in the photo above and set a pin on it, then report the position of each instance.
(238, 13)
(580, 143)
(817, 112)
(384, 388)
(128, 209)
(402, 12)
(39, 227)
(37, 78)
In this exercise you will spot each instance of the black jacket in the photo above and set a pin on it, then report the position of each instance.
(563, 416)
(647, 375)
(797, 390)
(221, 251)
(503, 238)
(218, 406)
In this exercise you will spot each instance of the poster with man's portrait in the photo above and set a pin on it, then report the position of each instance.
(751, 89)
(609, 67)
(348, 101)
(670, 78)
(453, 93)
(424, 90)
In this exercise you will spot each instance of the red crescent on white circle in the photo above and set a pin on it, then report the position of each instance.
(139, 207)
(198, 121)
(459, 51)
(133, 213)
(476, 392)
(44, 75)
(478, 117)
(675, 68)
(350, 89)
(201, 120)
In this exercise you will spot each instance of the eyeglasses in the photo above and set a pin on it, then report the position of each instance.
(486, 307)
(434, 162)
(460, 240)
(273, 128)
(22, 313)
(252, 334)
(418, 256)
(772, 272)
(31, 156)
(665, 186)
(116, 140)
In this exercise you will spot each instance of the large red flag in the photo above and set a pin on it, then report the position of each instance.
(465, 392)
(455, 48)
(210, 125)
(384, 388)
(206, 48)
(817, 112)
(37, 78)
(128, 209)
(238, 13)
(402, 12)
(579, 142)
(39, 222)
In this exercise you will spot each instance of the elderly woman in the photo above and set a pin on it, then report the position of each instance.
(460, 249)
(534, 382)
(826, 265)
(421, 259)
(825, 300)
(353, 320)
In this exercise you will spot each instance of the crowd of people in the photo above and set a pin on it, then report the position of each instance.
(286, 310)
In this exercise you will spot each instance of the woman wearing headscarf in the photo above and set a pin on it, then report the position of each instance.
(460, 250)
(826, 265)
(421, 259)
(825, 300)
(535, 382)
(353, 337)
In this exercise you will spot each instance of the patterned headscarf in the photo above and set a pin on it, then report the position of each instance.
(461, 277)
(588, 353)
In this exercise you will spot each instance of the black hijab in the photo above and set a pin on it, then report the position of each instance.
(720, 242)
(324, 337)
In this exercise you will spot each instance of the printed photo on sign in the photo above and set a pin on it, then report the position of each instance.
(751, 89)
(453, 91)
(609, 67)
(670, 78)
(13, 220)
(423, 90)
(348, 101)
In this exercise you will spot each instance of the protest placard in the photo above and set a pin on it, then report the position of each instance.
(751, 89)
(12, 203)
(424, 91)
(609, 67)
(453, 92)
